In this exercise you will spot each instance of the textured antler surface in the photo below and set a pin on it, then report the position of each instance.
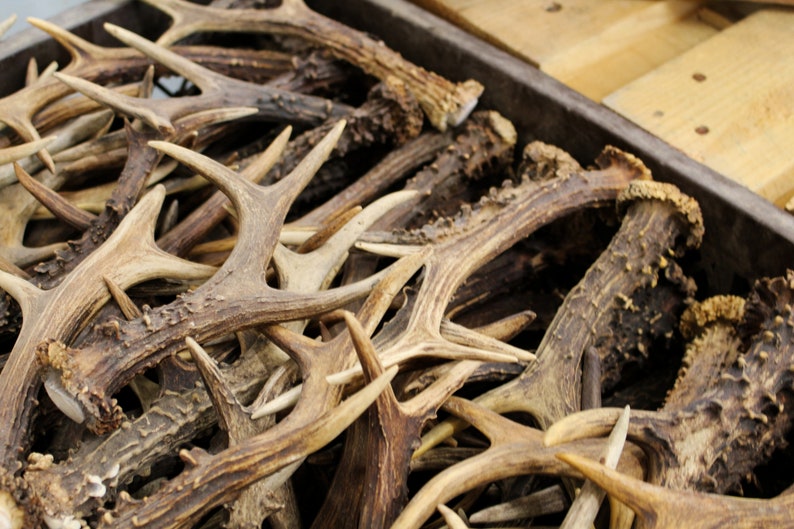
(312, 287)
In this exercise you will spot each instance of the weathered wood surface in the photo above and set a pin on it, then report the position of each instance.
(726, 103)
(643, 59)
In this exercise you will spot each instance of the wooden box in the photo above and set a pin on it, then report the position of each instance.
(746, 236)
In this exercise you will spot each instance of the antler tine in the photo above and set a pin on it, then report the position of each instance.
(508, 327)
(231, 415)
(460, 335)
(453, 519)
(661, 508)
(6, 24)
(584, 508)
(23, 126)
(13, 154)
(106, 263)
(440, 390)
(303, 272)
(194, 122)
(59, 206)
(433, 347)
(125, 303)
(202, 77)
(77, 47)
(20, 107)
(263, 163)
(17, 206)
(397, 164)
(301, 349)
(289, 186)
(545, 501)
(186, 20)
(646, 500)
(21, 290)
(130, 106)
(365, 351)
(581, 425)
(490, 424)
(11, 268)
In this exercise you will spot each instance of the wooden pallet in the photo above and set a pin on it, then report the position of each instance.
(717, 84)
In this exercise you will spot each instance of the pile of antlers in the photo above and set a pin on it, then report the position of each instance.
(311, 287)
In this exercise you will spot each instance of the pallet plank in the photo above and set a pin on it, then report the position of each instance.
(593, 47)
(727, 103)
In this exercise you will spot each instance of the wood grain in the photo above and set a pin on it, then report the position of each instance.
(727, 103)
(593, 47)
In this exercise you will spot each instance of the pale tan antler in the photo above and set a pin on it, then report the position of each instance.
(660, 508)
(514, 450)
(6, 24)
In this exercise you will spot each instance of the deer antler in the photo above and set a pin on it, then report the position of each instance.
(514, 450)
(445, 103)
(660, 508)
(745, 394)
(218, 91)
(626, 265)
(55, 316)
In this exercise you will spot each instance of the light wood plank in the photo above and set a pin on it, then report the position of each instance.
(593, 46)
(629, 48)
(728, 103)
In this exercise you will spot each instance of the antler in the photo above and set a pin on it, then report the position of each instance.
(658, 212)
(661, 508)
(445, 103)
(218, 91)
(745, 394)
(55, 316)
(514, 450)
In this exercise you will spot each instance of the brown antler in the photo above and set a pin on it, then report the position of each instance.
(734, 416)
(445, 103)
(57, 315)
